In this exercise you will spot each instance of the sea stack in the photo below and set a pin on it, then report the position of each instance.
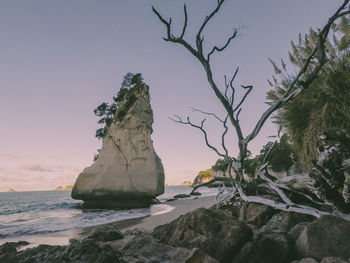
(127, 172)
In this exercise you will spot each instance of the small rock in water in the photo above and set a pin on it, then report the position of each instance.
(181, 196)
(195, 193)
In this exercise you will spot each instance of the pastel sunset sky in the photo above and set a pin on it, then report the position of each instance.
(60, 59)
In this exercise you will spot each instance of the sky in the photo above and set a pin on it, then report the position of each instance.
(60, 59)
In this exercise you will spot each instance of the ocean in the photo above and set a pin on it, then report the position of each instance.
(42, 212)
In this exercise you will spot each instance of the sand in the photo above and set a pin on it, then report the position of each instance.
(171, 211)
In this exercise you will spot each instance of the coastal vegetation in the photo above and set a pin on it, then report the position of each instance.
(258, 218)
(106, 112)
(325, 104)
(312, 57)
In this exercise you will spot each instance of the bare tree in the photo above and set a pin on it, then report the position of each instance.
(226, 96)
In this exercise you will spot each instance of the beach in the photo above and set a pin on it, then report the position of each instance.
(169, 211)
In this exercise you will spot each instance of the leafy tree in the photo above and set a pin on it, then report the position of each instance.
(222, 164)
(325, 104)
(280, 157)
(106, 112)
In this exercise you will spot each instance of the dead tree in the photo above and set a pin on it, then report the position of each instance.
(226, 96)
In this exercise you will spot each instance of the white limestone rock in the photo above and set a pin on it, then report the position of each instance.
(128, 171)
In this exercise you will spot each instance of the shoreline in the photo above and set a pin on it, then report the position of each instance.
(176, 208)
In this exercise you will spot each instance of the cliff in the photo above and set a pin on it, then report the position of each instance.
(203, 177)
(128, 172)
(187, 183)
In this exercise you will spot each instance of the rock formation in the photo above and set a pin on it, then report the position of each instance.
(203, 177)
(59, 188)
(11, 190)
(128, 172)
(186, 183)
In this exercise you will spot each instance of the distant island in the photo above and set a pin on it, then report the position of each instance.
(187, 183)
(67, 188)
(11, 190)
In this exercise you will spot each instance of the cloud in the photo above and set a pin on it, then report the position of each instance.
(34, 166)
(8, 155)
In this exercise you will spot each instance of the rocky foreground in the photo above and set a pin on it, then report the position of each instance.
(253, 233)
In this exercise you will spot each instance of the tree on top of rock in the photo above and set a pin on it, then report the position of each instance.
(106, 112)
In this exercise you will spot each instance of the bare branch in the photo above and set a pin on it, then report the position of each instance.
(249, 89)
(166, 23)
(209, 114)
(170, 37)
(200, 127)
(237, 115)
(274, 186)
(223, 137)
(230, 85)
(224, 123)
(198, 37)
(280, 206)
(185, 24)
(215, 48)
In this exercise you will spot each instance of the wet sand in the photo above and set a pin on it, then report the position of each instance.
(173, 210)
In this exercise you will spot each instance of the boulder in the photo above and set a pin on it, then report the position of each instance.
(213, 231)
(271, 242)
(8, 251)
(127, 172)
(105, 233)
(269, 248)
(295, 232)
(305, 260)
(145, 248)
(333, 260)
(255, 214)
(87, 251)
(282, 222)
(327, 236)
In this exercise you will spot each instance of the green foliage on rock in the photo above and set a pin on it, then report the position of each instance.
(205, 174)
(107, 112)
